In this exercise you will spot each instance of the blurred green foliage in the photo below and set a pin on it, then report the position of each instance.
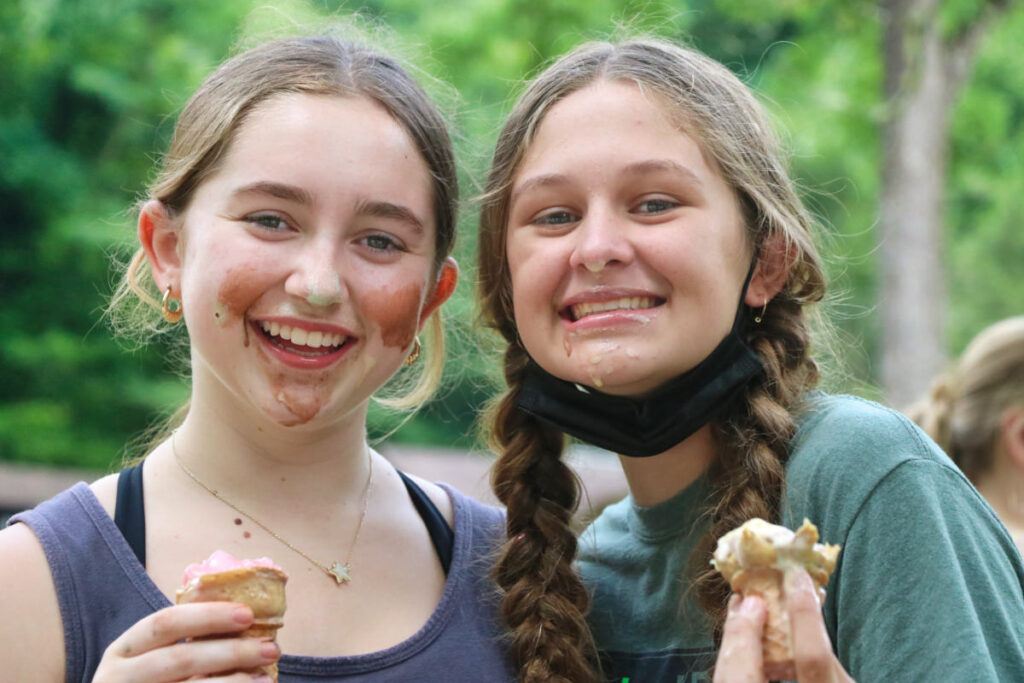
(89, 90)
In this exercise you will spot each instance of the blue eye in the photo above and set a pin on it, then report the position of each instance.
(656, 206)
(555, 218)
(268, 221)
(382, 243)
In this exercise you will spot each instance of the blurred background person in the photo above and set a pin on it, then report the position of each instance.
(975, 412)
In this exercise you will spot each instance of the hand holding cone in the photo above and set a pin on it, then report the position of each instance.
(256, 583)
(753, 559)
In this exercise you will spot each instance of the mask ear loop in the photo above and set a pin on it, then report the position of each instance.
(741, 308)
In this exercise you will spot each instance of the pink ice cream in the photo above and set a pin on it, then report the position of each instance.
(221, 561)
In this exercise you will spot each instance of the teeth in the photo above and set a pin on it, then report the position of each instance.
(624, 304)
(301, 337)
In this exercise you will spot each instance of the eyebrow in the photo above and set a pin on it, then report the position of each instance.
(280, 190)
(298, 195)
(390, 210)
(663, 165)
(637, 168)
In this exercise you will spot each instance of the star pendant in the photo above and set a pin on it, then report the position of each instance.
(340, 573)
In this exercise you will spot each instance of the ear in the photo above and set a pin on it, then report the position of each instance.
(447, 278)
(160, 237)
(773, 265)
(1011, 435)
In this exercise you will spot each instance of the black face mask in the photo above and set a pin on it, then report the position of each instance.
(657, 421)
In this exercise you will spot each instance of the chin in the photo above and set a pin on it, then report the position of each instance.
(618, 379)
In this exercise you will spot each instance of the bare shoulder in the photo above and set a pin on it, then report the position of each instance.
(105, 489)
(32, 615)
(438, 496)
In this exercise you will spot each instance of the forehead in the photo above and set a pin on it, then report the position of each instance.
(332, 146)
(609, 123)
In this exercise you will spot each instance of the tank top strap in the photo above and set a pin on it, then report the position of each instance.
(441, 534)
(130, 510)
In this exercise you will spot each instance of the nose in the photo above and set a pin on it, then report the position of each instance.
(601, 241)
(315, 277)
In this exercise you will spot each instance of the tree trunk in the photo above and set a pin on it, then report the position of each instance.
(924, 71)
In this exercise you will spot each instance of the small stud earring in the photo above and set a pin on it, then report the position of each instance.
(170, 307)
(412, 357)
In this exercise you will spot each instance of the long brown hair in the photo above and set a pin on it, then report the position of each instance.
(210, 121)
(542, 593)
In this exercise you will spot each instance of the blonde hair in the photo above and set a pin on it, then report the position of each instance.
(753, 434)
(209, 122)
(963, 408)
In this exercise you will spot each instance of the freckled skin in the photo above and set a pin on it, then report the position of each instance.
(397, 313)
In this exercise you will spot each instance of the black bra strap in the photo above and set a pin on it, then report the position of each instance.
(130, 510)
(441, 534)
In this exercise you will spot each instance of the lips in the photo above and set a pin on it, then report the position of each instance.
(585, 309)
(303, 345)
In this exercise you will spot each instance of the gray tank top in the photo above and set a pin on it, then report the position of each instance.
(103, 589)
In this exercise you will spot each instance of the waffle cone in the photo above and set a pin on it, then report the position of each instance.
(261, 588)
(777, 651)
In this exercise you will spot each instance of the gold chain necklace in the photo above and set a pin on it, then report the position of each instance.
(340, 572)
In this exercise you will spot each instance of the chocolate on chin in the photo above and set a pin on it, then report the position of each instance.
(256, 583)
(754, 558)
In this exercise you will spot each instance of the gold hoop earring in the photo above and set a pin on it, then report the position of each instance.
(760, 316)
(412, 357)
(170, 307)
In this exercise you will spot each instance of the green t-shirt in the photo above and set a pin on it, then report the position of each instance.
(929, 585)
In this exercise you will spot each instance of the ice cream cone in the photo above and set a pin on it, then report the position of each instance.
(261, 588)
(754, 558)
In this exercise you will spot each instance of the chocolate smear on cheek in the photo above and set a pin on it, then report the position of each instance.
(241, 287)
(397, 313)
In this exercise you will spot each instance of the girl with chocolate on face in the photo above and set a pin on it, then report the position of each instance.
(652, 270)
(300, 228)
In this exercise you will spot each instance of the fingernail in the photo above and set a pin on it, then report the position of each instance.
(243, 615)
(269, 650)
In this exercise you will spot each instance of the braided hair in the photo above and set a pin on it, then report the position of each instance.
(752, 435)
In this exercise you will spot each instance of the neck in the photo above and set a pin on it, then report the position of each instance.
(657, 478)
(267, 461)
(1002, 486)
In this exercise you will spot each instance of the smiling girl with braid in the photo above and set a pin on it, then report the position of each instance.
(646, 258)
